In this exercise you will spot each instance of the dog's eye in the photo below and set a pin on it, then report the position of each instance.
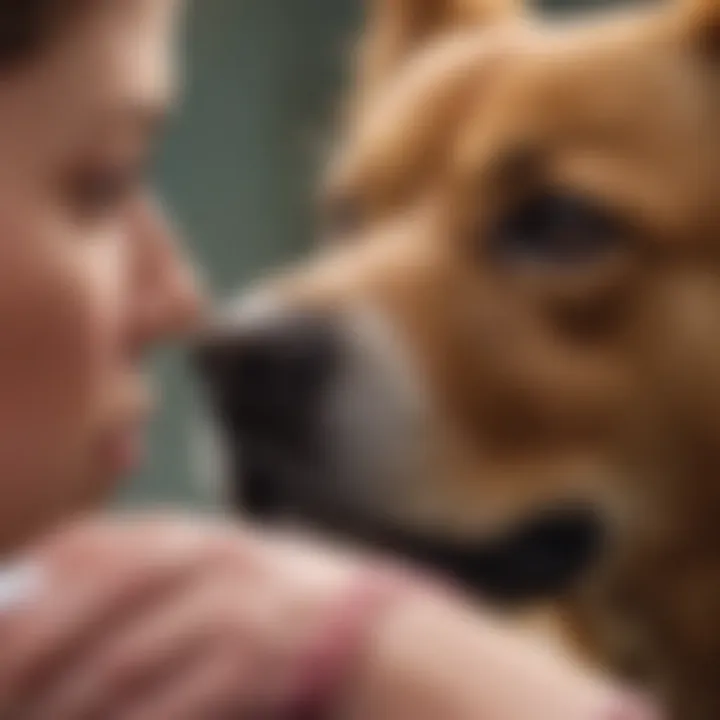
(555, 229)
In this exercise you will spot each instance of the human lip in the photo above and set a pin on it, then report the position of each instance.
(122, 445)
(123, 449)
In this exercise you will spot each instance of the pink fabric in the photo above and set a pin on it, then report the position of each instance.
(330, 662)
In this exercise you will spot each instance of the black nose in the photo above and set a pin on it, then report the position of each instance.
(267, 382)
(268, 377)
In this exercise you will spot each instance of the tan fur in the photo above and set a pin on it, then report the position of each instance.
(397, 28)
(602, 382)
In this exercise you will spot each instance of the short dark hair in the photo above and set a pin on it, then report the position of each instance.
(27, 26)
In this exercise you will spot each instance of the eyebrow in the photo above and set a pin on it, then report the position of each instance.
(140, 122)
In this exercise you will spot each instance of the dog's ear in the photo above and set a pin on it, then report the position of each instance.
(396, 28)
(701, 25)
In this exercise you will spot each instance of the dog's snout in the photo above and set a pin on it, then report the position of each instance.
(269, 371)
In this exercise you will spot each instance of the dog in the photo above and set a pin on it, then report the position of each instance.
(504, 360)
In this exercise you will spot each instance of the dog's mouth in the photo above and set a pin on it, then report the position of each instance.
(541, 557)
(539, 560)
(316, 438)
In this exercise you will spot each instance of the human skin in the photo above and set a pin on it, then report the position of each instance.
(91, 275)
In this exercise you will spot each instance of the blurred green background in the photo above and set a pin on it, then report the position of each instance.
(237, 172)
(239, 168)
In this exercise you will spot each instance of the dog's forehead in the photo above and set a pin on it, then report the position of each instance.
(608, 97)
(417, 106)
(617, 81)
(601, 80)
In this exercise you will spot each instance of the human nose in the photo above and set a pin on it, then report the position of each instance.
(167, 294)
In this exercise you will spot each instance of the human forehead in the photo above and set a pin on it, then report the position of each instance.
(117, 63)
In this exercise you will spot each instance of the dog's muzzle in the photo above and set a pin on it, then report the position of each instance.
(272, 385)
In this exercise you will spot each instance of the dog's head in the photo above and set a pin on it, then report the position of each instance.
(513, 320)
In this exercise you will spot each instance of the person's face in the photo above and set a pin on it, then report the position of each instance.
(90, 276)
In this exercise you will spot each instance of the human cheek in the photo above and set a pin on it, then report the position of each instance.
(101, 270)
(58, 303)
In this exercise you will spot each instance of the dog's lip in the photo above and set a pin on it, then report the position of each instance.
(539, 560)
(534, 560)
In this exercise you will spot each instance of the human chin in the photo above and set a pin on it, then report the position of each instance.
(122, 450)
(120, 445)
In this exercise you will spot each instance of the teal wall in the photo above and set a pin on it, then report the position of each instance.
(238, 170)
